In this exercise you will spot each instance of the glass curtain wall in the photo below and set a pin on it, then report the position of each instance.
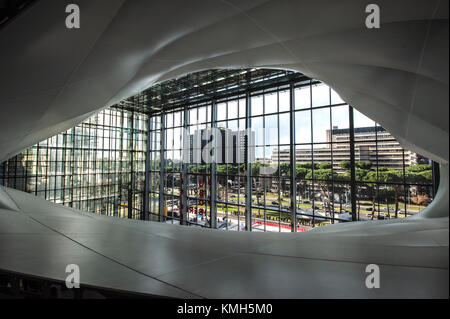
(97, 166)
(300, 157)
(308, 119)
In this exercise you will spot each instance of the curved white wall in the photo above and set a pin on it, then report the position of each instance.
(52, 78)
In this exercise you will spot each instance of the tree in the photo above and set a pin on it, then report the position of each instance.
(392, 176)
(301, 173)
(285, 169)
(325, 165)
(419, 174)
(324, 177)
(309, 165)
(364, 165)
(345, 165)
(362, 169)
(371, 178)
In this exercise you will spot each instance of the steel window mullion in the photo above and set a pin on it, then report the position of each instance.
(162, 167)
(436, 177)
(184, 175)
(265, 145)
(213, 204)
(331, 200)
(147, 177)
(248, 165)
(15, 172)
(405, 190)
(352, 164)
(313, 186)
(377, 173)
(293, 174)
(130, 149)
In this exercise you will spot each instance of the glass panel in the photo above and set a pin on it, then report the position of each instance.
(221, 111)
(285, 103)
(320, 95)
(271, 103)
(232, 109)
(257, 105)
(321, 125)
(95, 165)
(303, 127)
(335, 98)
(303, 97)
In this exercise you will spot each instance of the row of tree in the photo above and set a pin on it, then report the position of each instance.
(380, 184)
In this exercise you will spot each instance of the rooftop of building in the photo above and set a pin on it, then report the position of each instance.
(367, 129)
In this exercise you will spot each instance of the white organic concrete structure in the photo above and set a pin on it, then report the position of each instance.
(52, 78)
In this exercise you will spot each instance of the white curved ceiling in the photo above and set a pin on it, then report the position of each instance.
(40, 239)
(52, 77)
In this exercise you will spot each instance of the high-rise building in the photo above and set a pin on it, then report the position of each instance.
(372, 144)
(221, 145)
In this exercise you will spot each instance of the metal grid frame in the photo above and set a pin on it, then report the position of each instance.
(138, 156)
(244, 174)
(97, 166)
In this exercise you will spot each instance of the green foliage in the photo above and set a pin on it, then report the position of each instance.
(232, 169)
(323, 175)
(363, 165)
(256, 168)
(285, 169)
(325, 165)
(361, 174)
(345, 165)
(419, 173)
(390, 175)
(365, 172)
(301, 172)
(427, 175)
(370, 176)
(309, 165)
(418, 168)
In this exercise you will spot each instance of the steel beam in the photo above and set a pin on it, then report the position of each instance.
(213, 170)
(146, 204)
(352, 164)
(162, 166)
(184, 175)
(436, 177)
(292, 160)
(248, 165)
